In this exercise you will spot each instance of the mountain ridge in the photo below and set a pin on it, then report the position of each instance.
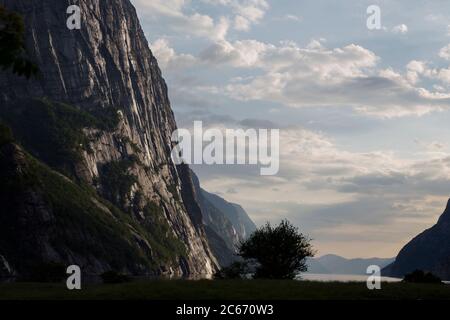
(429, 251)
(335, 264)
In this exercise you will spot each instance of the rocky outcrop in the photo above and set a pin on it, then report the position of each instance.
(429, 251)
(99, 113)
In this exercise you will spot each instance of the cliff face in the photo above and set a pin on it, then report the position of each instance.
(429, 251)
(100, 114)
(227, 224)
(47, 218)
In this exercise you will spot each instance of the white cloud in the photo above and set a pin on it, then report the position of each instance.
(174, 12)
(168, 59)
(414, 70)
(246, 12)
(241, 24)
(292, 17)
(444, 53)
(318, 76)
(418, 69)
(315, 75)
(400, 29)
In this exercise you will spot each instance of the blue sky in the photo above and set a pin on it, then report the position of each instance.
(363, 114)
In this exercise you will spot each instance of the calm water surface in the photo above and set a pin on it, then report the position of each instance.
(342, 277)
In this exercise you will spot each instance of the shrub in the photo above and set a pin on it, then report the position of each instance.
(280, 252)
(419, 276)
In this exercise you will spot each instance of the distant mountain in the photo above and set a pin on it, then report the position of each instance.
(226, 223)
(333, 264)
(429, 251)
(314, 266)
(240, 220)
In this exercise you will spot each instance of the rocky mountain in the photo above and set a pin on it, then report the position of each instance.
(89, 177)
(227, 224)
(429, 251)
(47, 218)
(239, 219)
(333, 264)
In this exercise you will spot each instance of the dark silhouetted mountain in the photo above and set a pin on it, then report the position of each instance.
(429, 251)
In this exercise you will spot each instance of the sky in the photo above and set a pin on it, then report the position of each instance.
(363, 114)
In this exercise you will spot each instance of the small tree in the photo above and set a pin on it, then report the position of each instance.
(280, 252)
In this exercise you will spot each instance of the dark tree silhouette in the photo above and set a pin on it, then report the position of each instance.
(279, 252)
(13, 54)
(419, 276)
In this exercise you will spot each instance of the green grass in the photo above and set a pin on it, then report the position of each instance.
(226, 290)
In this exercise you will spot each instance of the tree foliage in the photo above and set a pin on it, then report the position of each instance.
(280, 252)
(13, 54)
(419, 276)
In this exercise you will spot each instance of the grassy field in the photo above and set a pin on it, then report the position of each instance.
(225, 290)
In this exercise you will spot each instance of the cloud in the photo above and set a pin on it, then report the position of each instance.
(246, 12)
(335, 194)
(444, 53)
(318, 76)
(339, 195)
(168, 59)
(174, 14)
(400, 29)
(292, 17)
(417, 69)
(305, 76)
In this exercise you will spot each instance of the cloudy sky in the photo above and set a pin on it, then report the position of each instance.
(364, 114)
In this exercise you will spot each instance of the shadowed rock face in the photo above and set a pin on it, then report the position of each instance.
(107, 68)
(227, 224)
(429, 251)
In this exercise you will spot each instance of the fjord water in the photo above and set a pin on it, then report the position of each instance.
(342, 278)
